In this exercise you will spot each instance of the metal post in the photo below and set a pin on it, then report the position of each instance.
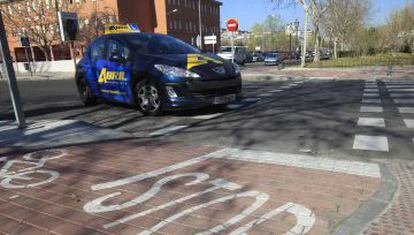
(290, 46)
(233, 53)
(199, 24)
(28, 61)
(8, 71)
(305, 40)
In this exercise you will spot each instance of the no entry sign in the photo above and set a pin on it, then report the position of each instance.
(232, 25)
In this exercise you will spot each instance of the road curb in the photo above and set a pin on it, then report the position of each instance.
(359, 221)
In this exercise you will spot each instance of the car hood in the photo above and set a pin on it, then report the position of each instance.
(208, 66)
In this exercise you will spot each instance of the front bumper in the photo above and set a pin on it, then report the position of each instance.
(200, 93)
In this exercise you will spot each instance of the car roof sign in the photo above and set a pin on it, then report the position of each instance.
(121, 28)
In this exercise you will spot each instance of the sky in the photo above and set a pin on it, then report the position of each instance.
(249, 12)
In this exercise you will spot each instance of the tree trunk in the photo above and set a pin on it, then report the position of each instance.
(45, 51)
(335, 50)
(317, 45)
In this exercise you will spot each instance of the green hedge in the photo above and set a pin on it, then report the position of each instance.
(379, 60)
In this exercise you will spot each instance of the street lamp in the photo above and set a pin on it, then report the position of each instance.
(297, 24)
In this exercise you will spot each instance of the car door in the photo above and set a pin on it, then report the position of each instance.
(115, 75)
(97, 62)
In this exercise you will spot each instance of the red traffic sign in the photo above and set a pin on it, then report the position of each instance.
(232, 25)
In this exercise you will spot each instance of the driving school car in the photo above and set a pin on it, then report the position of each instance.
(155, 73)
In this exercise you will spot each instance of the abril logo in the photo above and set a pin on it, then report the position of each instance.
(106, 76)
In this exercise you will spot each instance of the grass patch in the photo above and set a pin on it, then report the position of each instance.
(380, 60)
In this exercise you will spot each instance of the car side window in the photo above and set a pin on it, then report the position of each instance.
(117, 49)
(98, 51)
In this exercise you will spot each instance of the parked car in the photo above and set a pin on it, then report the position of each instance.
(257, 57)
(273, 59)
(240, 54)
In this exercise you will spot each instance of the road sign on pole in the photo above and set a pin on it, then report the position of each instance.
(11, 76)
(211, 40)
(232, 26)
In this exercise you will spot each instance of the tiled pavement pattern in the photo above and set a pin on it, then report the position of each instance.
(167, 179)
(399, 217)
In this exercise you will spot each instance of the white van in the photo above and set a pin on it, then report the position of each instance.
(240, 54)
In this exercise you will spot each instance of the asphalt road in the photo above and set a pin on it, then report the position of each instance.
(317, 117)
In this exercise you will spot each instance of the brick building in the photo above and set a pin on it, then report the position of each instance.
(179, 18)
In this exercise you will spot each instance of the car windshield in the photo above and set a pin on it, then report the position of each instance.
(272, 55)
(155, 44)
(225, 49)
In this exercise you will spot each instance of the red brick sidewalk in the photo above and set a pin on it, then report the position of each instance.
(398, 219)
(169, 188)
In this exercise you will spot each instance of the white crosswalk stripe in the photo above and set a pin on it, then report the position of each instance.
(371, 143)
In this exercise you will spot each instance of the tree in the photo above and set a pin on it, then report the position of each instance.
(317, 9)
(269, 35)
(401, 28)
(36, 20)
(344, 17)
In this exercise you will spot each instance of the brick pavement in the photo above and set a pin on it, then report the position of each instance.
(399, 217)
(127, 187)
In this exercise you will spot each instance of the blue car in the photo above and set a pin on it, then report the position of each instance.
(155, 73)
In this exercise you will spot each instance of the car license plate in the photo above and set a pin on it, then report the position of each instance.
(224, 99)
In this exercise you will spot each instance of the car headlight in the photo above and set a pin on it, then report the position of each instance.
(236, 68)
(175, 71)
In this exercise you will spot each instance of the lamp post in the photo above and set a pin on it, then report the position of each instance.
(199, 24)
(297, 24)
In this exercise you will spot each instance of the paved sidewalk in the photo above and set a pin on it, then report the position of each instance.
(399, 217)
(131, 186)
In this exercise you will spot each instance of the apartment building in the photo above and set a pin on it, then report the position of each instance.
(179, 18)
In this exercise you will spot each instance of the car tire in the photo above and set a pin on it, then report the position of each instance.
(150, 99)
(85, 92)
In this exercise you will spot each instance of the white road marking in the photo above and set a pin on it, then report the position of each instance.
(400, 86)
(261, 198)
(264, 95)
(371, 90)
(409, 123)
(371, 95)
(371, 101)
(168, 130)
(234, 106)
(276, 91)
(371, 109)
(302, 161)
(374, 122)
(402, 95)
(206, 117)
(305, 219)
(251, 100)
(401, 90)
(407, 110)
(403, 101)
(371, 143)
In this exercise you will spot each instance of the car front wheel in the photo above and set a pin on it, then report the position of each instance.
(149, 98)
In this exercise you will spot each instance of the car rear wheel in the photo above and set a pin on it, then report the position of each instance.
(86, 94)
(149, 97)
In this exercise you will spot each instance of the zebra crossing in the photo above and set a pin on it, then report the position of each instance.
(373, 119)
